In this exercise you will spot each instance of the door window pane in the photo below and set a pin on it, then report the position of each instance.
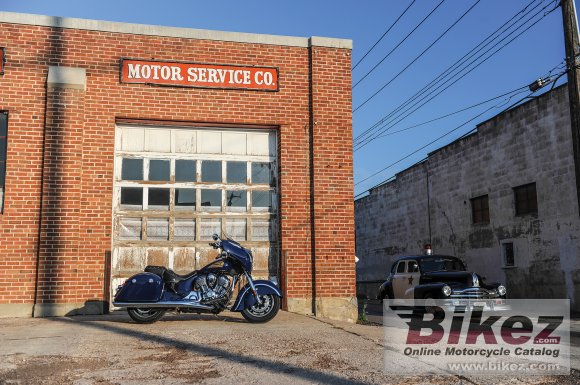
(130, 228)
(209, 226)
(132, 169)
(237, 172)
(184, 230)
(211, 171)
(262, 200)
(263, 230)
(132, 198)
(236, 199)
(185, 170)
(158, 229)
(159, 170)
(158, 198)
(261, 173)
(211, 198)
(185, 198)
(236, 229)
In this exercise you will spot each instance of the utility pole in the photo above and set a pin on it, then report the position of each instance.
(572, 42)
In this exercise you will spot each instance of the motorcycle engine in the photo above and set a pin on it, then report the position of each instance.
(212, 286)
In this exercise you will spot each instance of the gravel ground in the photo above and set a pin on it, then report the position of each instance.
(204, 349)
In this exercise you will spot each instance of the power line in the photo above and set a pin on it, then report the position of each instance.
(454, 112)
(384, 34)
(424, 51)
(546, 81)
(401, 42)
(437, 78)
(435, 140)
(381, 124)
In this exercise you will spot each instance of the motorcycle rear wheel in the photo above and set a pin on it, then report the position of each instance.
(145, 315)
(263, 312)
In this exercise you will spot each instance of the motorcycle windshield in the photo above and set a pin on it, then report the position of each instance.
(238, 252)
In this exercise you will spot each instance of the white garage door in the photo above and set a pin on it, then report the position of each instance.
(175, 187)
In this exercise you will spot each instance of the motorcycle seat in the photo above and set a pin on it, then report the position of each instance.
(169, 275)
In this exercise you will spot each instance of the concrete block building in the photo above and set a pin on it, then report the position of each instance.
(503, 198)
(124, 145)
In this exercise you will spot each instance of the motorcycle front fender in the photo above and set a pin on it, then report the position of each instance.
(246, 298)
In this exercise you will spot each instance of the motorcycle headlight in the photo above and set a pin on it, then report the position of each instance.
(501, 290)
(446, 291)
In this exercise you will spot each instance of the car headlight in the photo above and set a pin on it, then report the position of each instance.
(446, 290)
(501, 290)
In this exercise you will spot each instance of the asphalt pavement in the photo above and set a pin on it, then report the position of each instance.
(205, 349)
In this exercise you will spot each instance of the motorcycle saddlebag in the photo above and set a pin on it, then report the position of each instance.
(143, 287)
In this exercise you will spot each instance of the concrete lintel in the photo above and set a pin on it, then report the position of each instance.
(15, 310)
(67, 77)
(69, 309)
(155, 30)
(317, 41)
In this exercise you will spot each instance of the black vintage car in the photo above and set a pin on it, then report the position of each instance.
(437, 277)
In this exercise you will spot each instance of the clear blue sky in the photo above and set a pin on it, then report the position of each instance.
(528, 57)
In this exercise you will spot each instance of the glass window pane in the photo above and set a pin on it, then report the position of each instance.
(236, 229)
(130, 228)
(261, 173)
(237, 172)
(236, 199)
(158, 198)
(159, 170)
(184, 230)
(185, 198)
(211, 198)
(2, 148)
(2, 173)
(185, 170)
(208, 227)
(132, 169)
(158, 229)
(132, 197)
(211, 171)
(263, 230)
(262, 200)
(3, 124)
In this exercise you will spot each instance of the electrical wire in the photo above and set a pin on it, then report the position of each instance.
(381, 127)
(400, 43)
(442, 75)
(424, 51)
(548, 80)
(384, 34)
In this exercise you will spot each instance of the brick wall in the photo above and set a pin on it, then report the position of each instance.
(75, 238)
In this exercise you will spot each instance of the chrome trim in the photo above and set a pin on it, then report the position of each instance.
(474, 292)
(166, 304)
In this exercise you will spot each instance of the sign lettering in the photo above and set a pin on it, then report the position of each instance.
(199, 75)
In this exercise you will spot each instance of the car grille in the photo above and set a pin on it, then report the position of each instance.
(474, 293)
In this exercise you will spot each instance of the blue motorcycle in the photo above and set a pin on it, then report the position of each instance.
(147, 296)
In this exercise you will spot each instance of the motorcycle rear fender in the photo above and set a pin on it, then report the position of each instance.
(246, 298)
(142, 287)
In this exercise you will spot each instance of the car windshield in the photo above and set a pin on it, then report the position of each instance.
(441, 264)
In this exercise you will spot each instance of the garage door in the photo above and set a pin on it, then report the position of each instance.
(174, 187)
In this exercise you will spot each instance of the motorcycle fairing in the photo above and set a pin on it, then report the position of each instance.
(142, 287)
(246, 298)
(244, 256)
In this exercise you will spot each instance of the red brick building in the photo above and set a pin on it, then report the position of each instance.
(123, 145)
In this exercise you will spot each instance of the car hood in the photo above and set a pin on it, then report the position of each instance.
(452, 278)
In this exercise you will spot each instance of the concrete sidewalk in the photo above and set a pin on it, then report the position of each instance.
(207, 350)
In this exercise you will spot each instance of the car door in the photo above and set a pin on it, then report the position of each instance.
(413, 276)
(400, 280)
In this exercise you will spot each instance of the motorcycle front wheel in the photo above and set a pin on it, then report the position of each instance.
(145, 315)
(263, 312)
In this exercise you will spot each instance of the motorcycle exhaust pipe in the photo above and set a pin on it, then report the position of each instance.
(166, 304)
